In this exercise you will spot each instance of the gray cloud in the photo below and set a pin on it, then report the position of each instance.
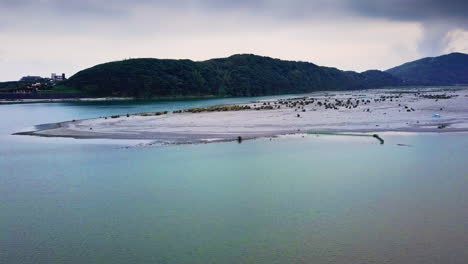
(141, 21)
(414, 10)
(437, 17)
(454, 10)
(64, 8)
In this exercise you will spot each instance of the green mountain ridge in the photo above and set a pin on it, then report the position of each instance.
(237, 75)
(249, 75)
(450, 69)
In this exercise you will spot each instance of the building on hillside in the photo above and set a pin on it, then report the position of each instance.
(31, 79)
(34, 88)
(58, 77)
(36, 85)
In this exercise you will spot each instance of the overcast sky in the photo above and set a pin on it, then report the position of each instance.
(38, 37)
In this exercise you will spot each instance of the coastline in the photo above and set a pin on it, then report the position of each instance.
(163, 139)
(64, 100)
(337, 112)
(103, 99)
(405, 89)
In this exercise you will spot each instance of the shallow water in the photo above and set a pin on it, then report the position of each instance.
(325, 199)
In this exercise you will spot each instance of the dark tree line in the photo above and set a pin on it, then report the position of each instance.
(238, 75)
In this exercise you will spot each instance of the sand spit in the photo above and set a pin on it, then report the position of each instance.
(423, 110)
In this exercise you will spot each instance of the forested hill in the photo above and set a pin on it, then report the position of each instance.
(450, 69)
(238, 75)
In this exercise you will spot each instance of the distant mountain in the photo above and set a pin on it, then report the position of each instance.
(450, 69)
(238, 75)
(376, 79)
(252, 75)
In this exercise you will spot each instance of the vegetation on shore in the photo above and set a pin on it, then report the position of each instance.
(8, 86)
(36, 89)
(60, 89)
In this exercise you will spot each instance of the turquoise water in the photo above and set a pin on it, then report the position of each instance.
(325, 199)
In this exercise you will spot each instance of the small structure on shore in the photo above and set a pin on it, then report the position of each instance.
(379, 138)
(347, 134)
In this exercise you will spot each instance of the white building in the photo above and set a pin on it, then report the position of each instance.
(59, 77)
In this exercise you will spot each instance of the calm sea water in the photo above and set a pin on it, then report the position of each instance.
(325, 199)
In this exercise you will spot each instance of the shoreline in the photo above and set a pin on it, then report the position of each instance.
(390, 89)
(370, 134)
(65, 100)
(104, 99)
(206, 137)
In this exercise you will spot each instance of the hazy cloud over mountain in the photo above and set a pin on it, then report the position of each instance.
(43, 36)
(437, 17)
